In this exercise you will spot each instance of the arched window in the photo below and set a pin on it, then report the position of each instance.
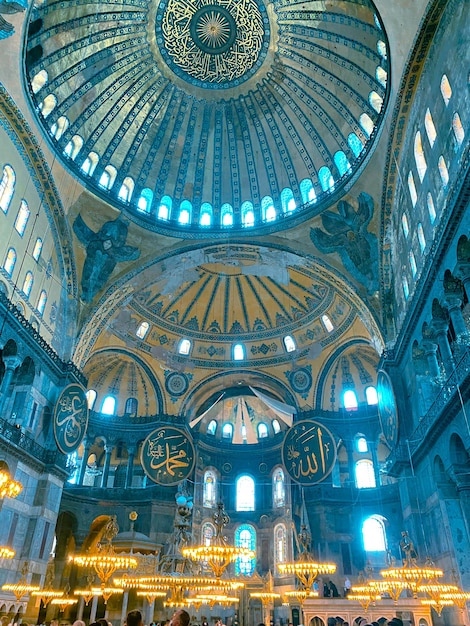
(186, 209)
(373, 534)
(446, 90)
(366, 124)
(289, 343)
(430, 128)
(109, 405)
(131, 407)
(211, 427)
(381, 76)
(248, 214)
(245, 537)
(108, 177)
(371, 396)
(262, 430)
(37, 249)
(376, 101)
(307, 191)
(404, 225)
(48, 105)
(421, 238)
(444, 173)
(142, 330)
(326, 179)
(73, 147)
(42, 302)
(22, 218)
(287, 201)
(227, 430)
(91, 398)
(245, 493)
(205, 214)
(279, 487)
(327, 323)
(361, 444)
(420, 160)
(341, 162)
(60, 127)
(210, 489)
(412, 259)
(365, 477)
(238, 352)
(10, 260)
(207, 533)
(406, 289)
(458, 128)
(28, 284)
(164, 209)
(431, 208)
(184, 347)
(267, 209)
(90, 163)
(127, 189)
(412, 189)
(7, 187)
(280, 544)
(350, 400)
(355, 144)
(144, 203)
(382, 49)
(39, 80)
(226, 214)
(276, 426)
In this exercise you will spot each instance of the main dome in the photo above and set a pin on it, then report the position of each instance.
(200, 118)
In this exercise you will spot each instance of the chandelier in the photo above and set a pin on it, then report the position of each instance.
(21, 588)
(365, 595)
(64, 602)
(218, 554)
(46, 595)
(300, 595)
(6, 552)
(8, 487)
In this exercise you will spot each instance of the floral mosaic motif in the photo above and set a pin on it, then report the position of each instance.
(176, 383)
(300, 380)
(264, 348)
(211, 351)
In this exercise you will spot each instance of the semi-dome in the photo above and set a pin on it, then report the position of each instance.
(214, 115)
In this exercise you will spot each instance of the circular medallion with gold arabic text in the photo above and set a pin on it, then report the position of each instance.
(70, 418)
(168, 455)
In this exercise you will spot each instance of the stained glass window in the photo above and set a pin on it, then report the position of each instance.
(245, 537)
(245, 490)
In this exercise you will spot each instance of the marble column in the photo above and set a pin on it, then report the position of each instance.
(107, 462)
(453, 305)
(441, 327)
(94, 607)
(11, 363)
(86, 452)
(430, 351)
(130, 467)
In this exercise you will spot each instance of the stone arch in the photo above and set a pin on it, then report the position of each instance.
(458, 452)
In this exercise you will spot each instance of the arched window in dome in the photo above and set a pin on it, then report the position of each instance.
(458, 129)
(350, 400)
(108, 177)
(376, 101)
(276, 426)
(373, 534)
(60, 127)
(22, 218)
(406, 288)
(327, 323)
(342, 164)
(131, 407)
(142, 330)
(184, 347)
(326, 179)
(42, 302)
(371, 395)
(307, 191)
(91, 398)
(205, 214)
(262, 430)
(267, 209)
(127, 189)
(443, 171)
(421, 237)
(382, 49)
(413, 266)
(446, 90)
(245, 537)
(207, 533)
(108, 406)
(279, 487)
(361, 444)
(381, 76)
(90, 163)
(245, 493)
(227, 430)
(420, 159)
(210, 489)
(212, 427)
(412, 189)
(287, 201)
(280, 544)
(48, 105)
(144, 203)
(355, 144)
(7, 187)
(431, 208)
(289, 343)
(365, 476)
(248, 214)
(226, 214)
(366, 124)
(39, 80)
(164, 209)
(73, 147)
(37, 249)
(430, 128)
(404, 225)
(185, 213)
(238, 352)
(10, 261)
(28, 284)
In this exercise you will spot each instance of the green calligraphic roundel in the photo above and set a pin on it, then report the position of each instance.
(70, 418)
(308, 452)
(168, 455)
(387, 408)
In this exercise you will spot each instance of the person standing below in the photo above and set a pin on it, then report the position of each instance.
(180, 618)
(333, 589)
(134, 618)
(347, 587)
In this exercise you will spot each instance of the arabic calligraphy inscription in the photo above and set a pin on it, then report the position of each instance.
(168, 455)
(70, 418)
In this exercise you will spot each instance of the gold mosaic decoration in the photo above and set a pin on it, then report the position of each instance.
(215, 41)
